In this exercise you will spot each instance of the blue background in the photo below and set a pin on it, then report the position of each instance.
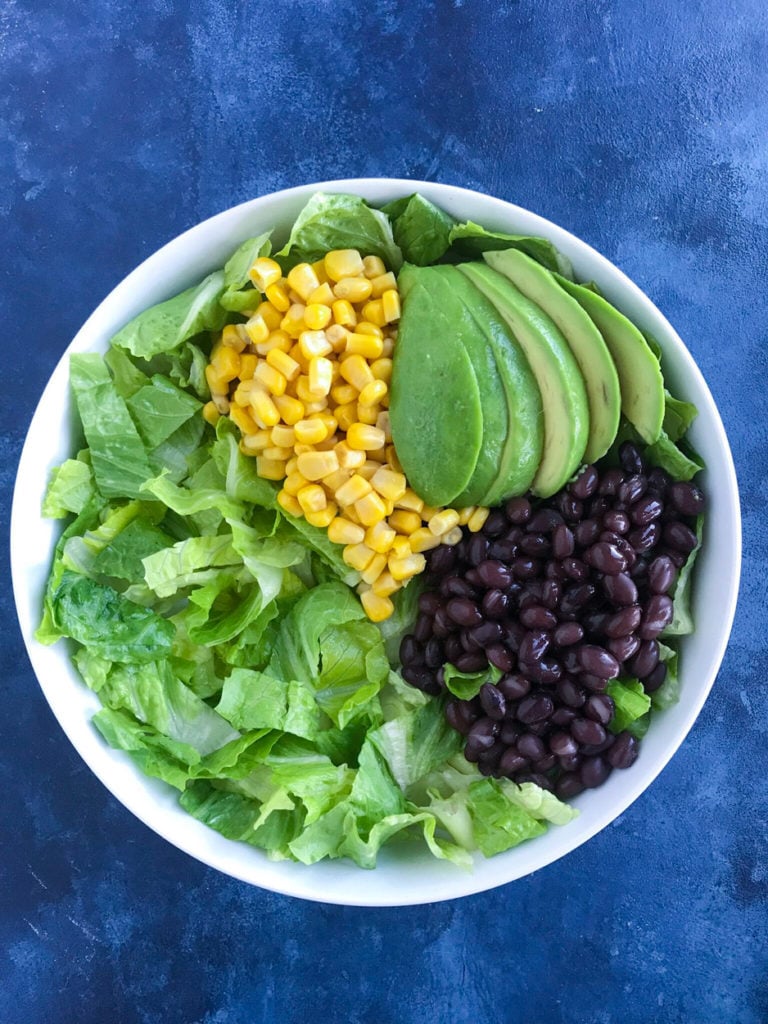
(640, 126)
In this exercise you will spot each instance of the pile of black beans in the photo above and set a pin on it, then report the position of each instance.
(562, 596)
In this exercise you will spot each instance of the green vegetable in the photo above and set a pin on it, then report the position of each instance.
(471, 240)
(630, 700)
(682, 621)
(466, 685)
(70, 489)
(421, 229)
(239, 294)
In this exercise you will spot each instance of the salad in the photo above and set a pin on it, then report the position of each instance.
(383, 535)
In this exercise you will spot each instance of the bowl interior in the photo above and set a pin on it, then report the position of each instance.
(404, 875)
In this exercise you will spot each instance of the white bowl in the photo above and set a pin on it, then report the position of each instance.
(404, 876)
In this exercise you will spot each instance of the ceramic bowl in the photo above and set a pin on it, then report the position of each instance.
(404, 875)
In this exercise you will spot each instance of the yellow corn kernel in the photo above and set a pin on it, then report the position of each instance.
(378, 456)
(405, 522)
(264, 272)
(248, 363)
(294, 482)
(370, 509)
(342, 394)
(384, 423)
(385, 585)
(342, 263)
(314, 344)
(423, 540)
(257, 442)
(346, 415)
(316, 465)
(389, 347)
(301, 386)
(257, 329)
(226, 362)
(243, 420)
(276, 340)
(319, 269)
(354, 289)
(477, 520)
(327, 418)
(283, 436)
(317, 316)
(374, 569)
(388, 484)
(289, 503)
(244, 449)
(232, 337)
(392, 460)
(277, 452)
(303, 280)
(352, 491)
(323, 295)
(270, 469)
(443, 521)
(373, 266)
(382, 369)
(272, 379)
(452, 537)
(312, 498)
(322, 518)
(363, 437)
(358, 556)
(383, 283)
(334, 481)
(277, 294)
(343, 313)
(291, 409)
(293, 321)
(368, 414)
(320, 376)
(390, 304)
(342, 531)
(348, 459)
(404, 568)
(221, 402)
(211, 414)
(373, 393)
(367, 469)
(380, 537)
(367, 345)
(270, 314)
(316, 406)
(374, 311)
(291, 465)
(328, 444)
(364, 327)
(310, 431)
(465, 514)
(242, 393)
(264, 410)
(410, 501)
(284, 365)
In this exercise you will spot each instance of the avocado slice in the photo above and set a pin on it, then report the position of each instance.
(597, 368)
(521, 452)
(435, 404)
(438, 283)
(642, 385)
(564, 397)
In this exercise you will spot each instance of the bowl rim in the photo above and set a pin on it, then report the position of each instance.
(303, 885)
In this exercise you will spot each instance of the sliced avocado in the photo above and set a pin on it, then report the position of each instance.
(521, 452)
(642, 385)
(585, 341)
(438, 283)
(435, 404)
(563, 395)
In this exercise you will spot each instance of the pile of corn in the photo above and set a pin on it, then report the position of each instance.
(306, 380)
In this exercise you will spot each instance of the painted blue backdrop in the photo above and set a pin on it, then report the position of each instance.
(639, 125)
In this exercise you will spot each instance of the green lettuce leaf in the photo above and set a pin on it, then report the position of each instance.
(160, 408)
(416, 743)
(421, 229)
(239, 295)
(156, 755)
(471, 240)
(499, 822)
(122, 558)
(668, 693)
(466, 685)
(630, 700)
(256, 700)
(682, 592)
(70, 489)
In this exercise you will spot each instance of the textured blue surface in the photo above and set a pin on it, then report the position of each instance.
(642, 127)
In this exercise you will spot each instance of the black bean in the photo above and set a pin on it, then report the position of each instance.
(536, 616)
(687, 498)
(571, 509)
(569, 785)
(495, 524)
(661, 574)
(525, 568)
(547, 671)
(576, 597)
(494, 604)
(606, 558)
(544, 521)
(596, 684)
(570, 762)
(645, 537)
(610, 482)
(511, 762)
(563, 541)
(433, 654)
(429, 601)
(471, 661)
(513, 634)
(599, 708)
(453, 648)
(623, 622)
(483, 733)
(630, 458)
(518, 510)
(617, 522)
(632, 488)
(536, 545)
(598, 662)
(535, 708)
(510, 732)
(441, 559)
(646, 659)
(586, 730)
(464, 612)
(477, 549)
(411, 651)
(534, 645)
(590, 749)
(626, 550)
(680, 537)
(459, 715)
(620, 589)
(593, 772)
(468, 642)
(514, 686)
(504, 550)
(646, 510)
(575, 569)
(501, 657)
(570, 693)
(624, 751)
(563, 744)
(570, 659)
(639, 571)
(658, 614)
(659, 480)
(422, 629)
(598, 507)
(531, 746)
(677, 558)
(492, 701)
(568, 633)
(536, 778)
(494, 574)
(624, 647)
(422, 679)
(594, 621)
(655, 678)
(586, 532)
(551, 592)
(585, 484)
(487, 633)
